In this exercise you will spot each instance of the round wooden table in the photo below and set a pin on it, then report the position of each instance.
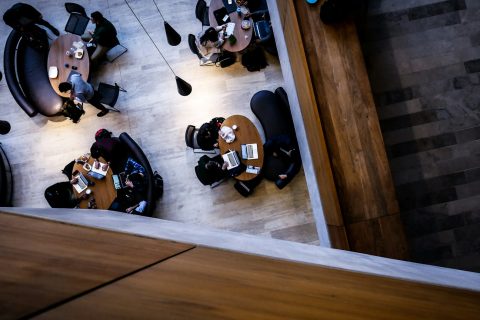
(57, 58)
(244, 37)
(103, 191)
(245, 133)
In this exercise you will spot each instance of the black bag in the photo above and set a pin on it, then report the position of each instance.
(72, 110)
(226, 59)
(254, 60)
(158, 184)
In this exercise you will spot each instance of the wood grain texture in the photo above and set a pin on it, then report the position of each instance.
(57, 57)
(212, 284)
(245, 133)
(244, 37)
(352, 131)
(103, 191)
(45, 262)
(311, 118)
(156, 116)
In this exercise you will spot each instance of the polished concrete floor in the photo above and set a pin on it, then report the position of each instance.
(423, 59)
(156, 117)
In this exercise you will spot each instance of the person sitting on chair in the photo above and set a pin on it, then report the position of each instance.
(83, 92)
(132, 199)
(109, 148)
(104, 37)
(207, 137)
(283, 148)
(262, 25)
(211, 40)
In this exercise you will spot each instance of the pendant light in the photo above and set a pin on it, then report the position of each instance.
(173, 38)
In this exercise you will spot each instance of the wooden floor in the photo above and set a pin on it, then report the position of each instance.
(156, 117)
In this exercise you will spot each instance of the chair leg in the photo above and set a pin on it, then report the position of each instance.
(120, 88)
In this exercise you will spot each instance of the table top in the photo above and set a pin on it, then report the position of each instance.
(244, 37)
(57, 57)
(245, 133)
(103, 191)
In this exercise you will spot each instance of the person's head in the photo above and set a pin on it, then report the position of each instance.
(209, 35)
(212, 165)
(96, 17)
(134, 180)
(102, 134)
(64, 87)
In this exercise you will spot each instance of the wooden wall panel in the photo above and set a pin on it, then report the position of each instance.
(311, 118)
(212, 284)
(352, 131)
(44, 262)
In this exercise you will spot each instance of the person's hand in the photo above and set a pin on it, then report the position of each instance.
(74, 181)
(215, 145)
(282, 176)
(91, 33)
(248, 15)
(129, 210)
(96, 164)
(224, 166)
(105, 166)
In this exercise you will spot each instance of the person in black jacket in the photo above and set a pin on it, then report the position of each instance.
(104, 37)
(283, 148)
(22, 17)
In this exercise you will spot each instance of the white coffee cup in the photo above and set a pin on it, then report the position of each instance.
(88, 192)
(234, 127)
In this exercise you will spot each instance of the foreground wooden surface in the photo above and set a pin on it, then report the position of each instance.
(48, 266)
(352, 132)
(44, 262)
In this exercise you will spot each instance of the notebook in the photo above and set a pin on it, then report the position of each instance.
(82, 183)
(231, 158)
(230, 5)
(249, 151)
(220, 15)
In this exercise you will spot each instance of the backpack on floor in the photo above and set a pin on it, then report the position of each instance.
(254, 59)
(72, 110)
(158, 185)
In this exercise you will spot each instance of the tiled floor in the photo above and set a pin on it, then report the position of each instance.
(423, 59)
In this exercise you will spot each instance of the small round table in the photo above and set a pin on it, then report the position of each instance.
(103, 191)
(244, 37)
(245, 133)
(57, 58)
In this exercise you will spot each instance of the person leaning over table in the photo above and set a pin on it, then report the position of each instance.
(104, 37)
(21, 17)
(132, 198)
(112, 149)
(83, 92)
(211, 40)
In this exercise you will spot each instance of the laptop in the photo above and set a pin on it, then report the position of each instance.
(98, 174)
(220, 16)
(119, 180)
(249, 151)
(82, 183)
(231, 158)
(230, 5)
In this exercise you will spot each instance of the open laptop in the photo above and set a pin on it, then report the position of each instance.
(119, 180)
(231, 158)
(82, 183)
(98, 174)
(249, 151)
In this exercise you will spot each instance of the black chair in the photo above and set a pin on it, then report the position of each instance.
(115, 52)
(193, 46)
(201, 12)
(245, 188)
(69, 169)
(75, 8)
(191, 140)
(61, 195)
(109, 95)
(78, 20)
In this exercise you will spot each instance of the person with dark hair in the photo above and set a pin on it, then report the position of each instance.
(211, 40)
(207, 137)
(109, 148)
(22, 17)
(83, 91)
(104, 37)
(132, 198)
